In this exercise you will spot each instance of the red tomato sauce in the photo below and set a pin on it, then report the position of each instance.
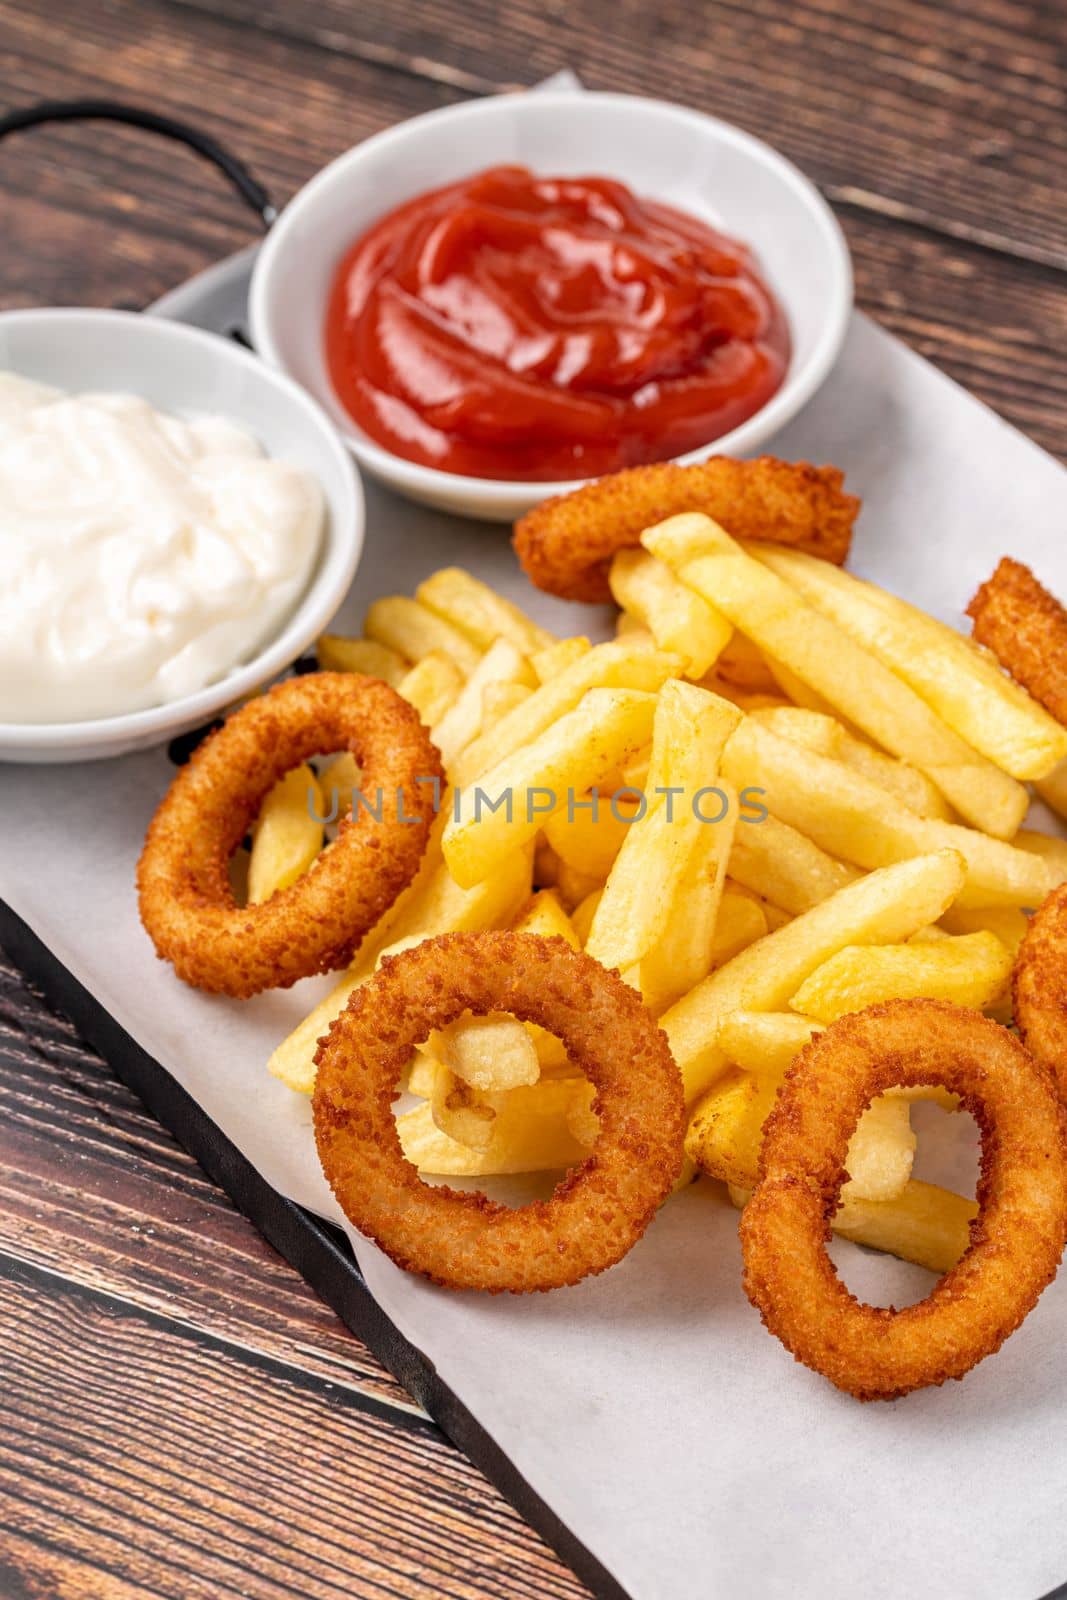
(517, 327)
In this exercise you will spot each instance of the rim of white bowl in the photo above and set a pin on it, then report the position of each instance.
(326, 587)
(798, 388)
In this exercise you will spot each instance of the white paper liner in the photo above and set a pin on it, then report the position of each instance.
(648, 1407)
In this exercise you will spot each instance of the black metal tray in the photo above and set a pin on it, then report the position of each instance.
(319, 1252)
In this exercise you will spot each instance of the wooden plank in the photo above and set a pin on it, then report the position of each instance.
(181, 1400)
(104, 215)
(995, 324)
(92, 1187)
(310, 1247)
(949, 115)
(997, 327)
(167, 1465)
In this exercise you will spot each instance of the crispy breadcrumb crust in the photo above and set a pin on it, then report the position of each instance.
(1017, 1238)
(566, 544)
(1026, 628)
(186, 901)
(465, 1240)
(1039, 987)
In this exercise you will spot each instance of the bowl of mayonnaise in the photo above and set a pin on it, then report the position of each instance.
(177, 524)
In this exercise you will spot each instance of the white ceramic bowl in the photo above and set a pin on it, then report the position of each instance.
(689, 160)
(188, 372)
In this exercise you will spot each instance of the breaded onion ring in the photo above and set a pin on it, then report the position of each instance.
(465, 1240)
(1017, 1238)
(187, 904)
(565, 546)
(1026, 629)
(1039, 987)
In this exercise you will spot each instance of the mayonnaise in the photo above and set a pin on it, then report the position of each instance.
(141, 557)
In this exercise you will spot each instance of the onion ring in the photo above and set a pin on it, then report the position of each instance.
(1026, 628)
(566, 544)
(466, 1240)
(1039, 987)
(186, 902)
(1017, 1238)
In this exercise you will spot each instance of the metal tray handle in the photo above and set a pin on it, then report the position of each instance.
(247, 186)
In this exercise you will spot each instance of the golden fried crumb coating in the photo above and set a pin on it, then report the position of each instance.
(1026, 629)
(315, 925)
(1017, 1238)
(1039, 986)
(565, 546)
(463, 1239)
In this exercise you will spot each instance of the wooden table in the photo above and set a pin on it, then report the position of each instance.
(179, 1416)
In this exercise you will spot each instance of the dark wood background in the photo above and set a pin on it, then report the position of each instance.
(179, 1416)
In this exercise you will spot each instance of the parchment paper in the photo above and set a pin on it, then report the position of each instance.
(649, 1408)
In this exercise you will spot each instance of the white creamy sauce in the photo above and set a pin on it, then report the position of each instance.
(141, 557)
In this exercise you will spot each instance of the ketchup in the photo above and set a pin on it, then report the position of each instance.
(517, 327)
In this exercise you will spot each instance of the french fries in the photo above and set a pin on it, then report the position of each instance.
(287, 834)
(620, 664)
(741, 920)
(1007, 922)
(546, 1127)
(583, 914)
(339, 782)
(507, 806)
(500, 698)
(689, 733)
(434, 903)
(825, 734)
(726, 1133)
(678, 620)
(971, 969)
(768, 1042)
(849, 678)
(841, 809)
(488, 1053)
(478, 611)
(503, 663)
(556, 658)
(589, 839)
(742, 664)
(573, 885)
(432, 685)
(1049, 848)
(963, 684)
(545, 916)
(373, 660)
(707, 926)
(726, 1129)
(765, 1042)
(784, 866)
(495, 1053)
(462, 1112)
(411, 630)
(1053, 789)
(927, 1225)
(848, 735)
(885, 907)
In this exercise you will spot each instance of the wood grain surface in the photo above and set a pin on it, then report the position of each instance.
(179, 1415)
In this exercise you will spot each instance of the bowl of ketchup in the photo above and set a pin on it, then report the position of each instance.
(622, 281)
